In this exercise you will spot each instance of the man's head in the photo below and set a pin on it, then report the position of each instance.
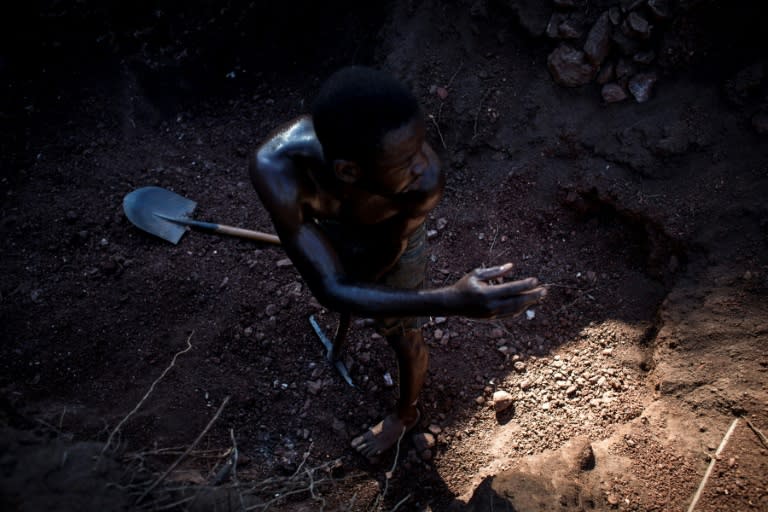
(355, 108)
(372, 132)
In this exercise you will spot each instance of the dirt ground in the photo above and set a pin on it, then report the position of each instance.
(647, 220)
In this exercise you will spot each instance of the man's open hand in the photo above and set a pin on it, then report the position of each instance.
(485, 300)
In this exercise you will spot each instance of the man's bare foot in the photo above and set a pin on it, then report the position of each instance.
(383, 435)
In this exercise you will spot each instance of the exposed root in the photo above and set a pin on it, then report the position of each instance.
(759, 434)
(128, 416)
(703, 483)
(186, 452)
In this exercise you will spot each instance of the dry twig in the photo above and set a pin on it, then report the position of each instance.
(437, 126)
(759, 434)
(436, 119)
(183, 455)
(143, 399)
(388, 476)
(712, 465)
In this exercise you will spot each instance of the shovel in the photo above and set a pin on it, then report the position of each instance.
(166, 214)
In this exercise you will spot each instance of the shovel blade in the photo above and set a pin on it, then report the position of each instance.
(144, 207)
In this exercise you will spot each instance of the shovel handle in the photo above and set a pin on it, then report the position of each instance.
(224, 229)
(247, 233)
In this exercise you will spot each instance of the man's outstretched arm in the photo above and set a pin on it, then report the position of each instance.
(316, 260)
(472, 295)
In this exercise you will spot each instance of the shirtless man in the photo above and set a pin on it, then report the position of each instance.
(348, 189)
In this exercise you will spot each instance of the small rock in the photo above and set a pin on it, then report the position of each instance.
(388, 382)
(441, 223)
(659, 8)
(315, 386)
(519, 366)
(438, 334)
(480, 400)
(645, 57)
(532, 16)
(606, 74)
(568, 30)
(496, 333)
(502, 400)
(598, 40)
(613, 500)
(525, 385)
(434, 429)
(442, 93)
(35, 295)
(553, 27)
(628, 5)
(571, 391)
(641, 86)
(423, 441)
(530, 314)
(613, 93)
(614, 14)
(285, 262)
(638, 26)
(439, 320)
(339, 426)
(431, 233)
(569, 67)
(270, 310)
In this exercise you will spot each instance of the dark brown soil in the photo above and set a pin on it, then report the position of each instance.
(648, 221)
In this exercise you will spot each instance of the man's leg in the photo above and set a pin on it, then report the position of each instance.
(412, 362)
(405, 338)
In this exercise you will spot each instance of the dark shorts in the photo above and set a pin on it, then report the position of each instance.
(408, 273)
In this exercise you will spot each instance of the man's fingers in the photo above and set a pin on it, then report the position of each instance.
(486, 274)
(515, 287)
(521, 302)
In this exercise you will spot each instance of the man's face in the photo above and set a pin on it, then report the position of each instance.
(406, 168)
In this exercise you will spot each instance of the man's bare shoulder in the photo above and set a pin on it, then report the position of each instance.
(295, 140)
(281, 169)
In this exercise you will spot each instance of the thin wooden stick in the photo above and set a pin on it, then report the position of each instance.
(759, 434)
(146, 395)
(712, 465)
(186, 452)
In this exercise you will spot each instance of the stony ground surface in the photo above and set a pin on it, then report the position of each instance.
(647, 220)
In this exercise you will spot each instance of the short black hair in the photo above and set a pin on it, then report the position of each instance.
(356, 107)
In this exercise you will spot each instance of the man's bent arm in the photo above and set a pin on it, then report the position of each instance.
(470, 296)
(316, 260)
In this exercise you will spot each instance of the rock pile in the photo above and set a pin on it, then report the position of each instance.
(617, 50)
